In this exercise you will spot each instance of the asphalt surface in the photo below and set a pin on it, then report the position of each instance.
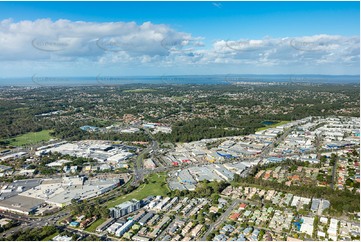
(32, 222)
(268, 149)
(334, 168)
(138, 163)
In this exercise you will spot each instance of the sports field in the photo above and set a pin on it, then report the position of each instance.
(157, 185)
(141, 90)
(273, 125)
(31, 138)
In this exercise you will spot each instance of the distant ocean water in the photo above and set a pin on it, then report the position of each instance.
(37, 81)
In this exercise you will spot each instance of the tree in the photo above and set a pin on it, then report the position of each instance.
(261, 234)
(213, 216)
(355, 153)
(210, 236)
(236, 178)
(215, 198)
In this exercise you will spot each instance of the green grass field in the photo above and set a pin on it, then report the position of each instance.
(19, 109)
(273, 125)
(179, 98)
(154, 187)
(50, 237)
(141, 90)
(94, 225)
(31, 138)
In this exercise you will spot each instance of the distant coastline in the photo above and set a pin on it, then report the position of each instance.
(176, 79)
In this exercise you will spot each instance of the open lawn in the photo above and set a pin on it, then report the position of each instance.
(50, 237)
(141, 90)
(19, 109)
(157, 185)
(273, 125)
(94, 225)
(31, 138)
(179, 98)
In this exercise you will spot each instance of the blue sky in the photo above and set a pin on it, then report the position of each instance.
(153, 38)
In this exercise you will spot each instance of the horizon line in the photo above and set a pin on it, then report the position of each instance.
(162, 75)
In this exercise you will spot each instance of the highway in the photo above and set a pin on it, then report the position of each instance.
(138, 163)
(31, 222)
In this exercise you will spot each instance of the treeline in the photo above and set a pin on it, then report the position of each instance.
(196, 129)
(205, 188)
(9, 225)
(18, 110)
(290, 163)
(89, 209)
(342, 201)
(13, 123)
(19, 116)
(73, 132)
(33, 234)
(42, 168)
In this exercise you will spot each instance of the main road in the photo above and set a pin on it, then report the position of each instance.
(139, 162)
(268, 149)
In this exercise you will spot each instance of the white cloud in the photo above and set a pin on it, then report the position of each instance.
(314, 49)
(43, 38)
(217, 5)
(58, 43)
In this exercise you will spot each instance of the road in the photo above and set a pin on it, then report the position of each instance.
(268, 149)
(265, 153)
(334, 168)
(221, 219)
(32, 222)
(84, 232)
(318, 146)
(138, 163)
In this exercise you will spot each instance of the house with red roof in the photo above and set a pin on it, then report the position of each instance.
(234, 216)
(242, 206)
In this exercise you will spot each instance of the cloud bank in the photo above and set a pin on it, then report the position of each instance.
(46, 44)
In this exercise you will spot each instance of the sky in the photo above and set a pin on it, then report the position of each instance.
(179, 38)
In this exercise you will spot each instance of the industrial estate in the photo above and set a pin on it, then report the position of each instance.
(180, 121)
(278, 183)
